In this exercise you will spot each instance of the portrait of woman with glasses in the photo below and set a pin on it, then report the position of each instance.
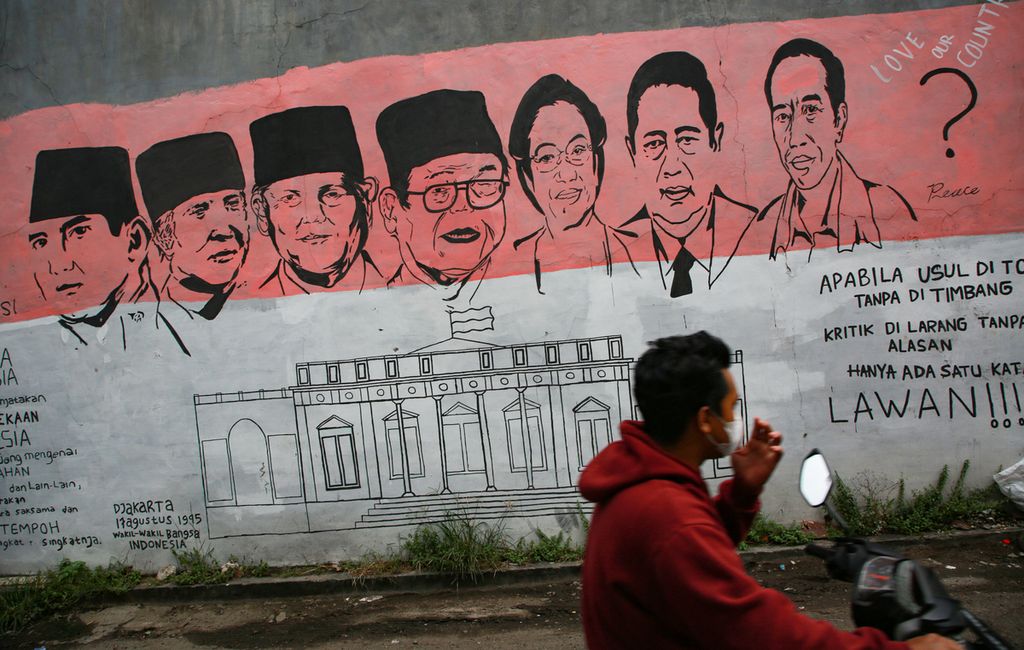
(557, 141)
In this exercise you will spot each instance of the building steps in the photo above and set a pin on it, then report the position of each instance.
(415, 510)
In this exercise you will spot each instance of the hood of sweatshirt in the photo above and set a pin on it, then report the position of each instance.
(634, 459)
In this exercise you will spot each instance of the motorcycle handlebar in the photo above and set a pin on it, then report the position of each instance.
(819, 551)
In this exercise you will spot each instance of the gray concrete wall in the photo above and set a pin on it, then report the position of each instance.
(136, 51)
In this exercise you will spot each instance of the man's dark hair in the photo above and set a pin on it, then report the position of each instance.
(835, 78)
(672, 69)
(547, 91)
(677, 376)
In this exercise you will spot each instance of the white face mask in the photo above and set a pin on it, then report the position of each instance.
(735, 433)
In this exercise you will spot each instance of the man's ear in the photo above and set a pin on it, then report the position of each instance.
(164, 235)
(704, 416)
(388, 202)
(841, 116)
(369, 187)
(261, 211)
(138, 239)
(716, 144)
(629, 148)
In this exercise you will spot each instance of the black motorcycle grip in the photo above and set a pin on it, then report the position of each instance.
(819, 551)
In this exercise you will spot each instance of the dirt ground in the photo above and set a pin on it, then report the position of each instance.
(985, 574)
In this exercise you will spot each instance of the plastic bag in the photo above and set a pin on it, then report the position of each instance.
(1011, 483)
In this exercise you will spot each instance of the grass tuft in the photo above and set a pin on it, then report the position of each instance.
(766, 531)
(873, 505)
(60, 589)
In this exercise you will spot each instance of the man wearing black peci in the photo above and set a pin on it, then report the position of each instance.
(312, 199)
(194, 191)
(445, 204)
(89, 247)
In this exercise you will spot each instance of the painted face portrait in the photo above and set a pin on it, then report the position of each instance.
(85, 232)
(454, 215)
(806, 129)
(672, 151)
(79, 261)
(564, 174)
(206, 238)
(318, 222)
(193, 188)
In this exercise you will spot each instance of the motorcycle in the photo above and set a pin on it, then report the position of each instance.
(891, 592)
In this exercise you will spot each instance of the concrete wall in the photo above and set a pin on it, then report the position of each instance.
(252, 341)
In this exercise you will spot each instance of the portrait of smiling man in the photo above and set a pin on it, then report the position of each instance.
(445, 205)
(89, 247)
(194, 191)
(312, 199)
(674, 137)
(826, 202)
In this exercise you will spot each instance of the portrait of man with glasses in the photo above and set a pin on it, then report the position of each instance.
(445, 204)
(312, 199)
(557, 141)
(674, 138)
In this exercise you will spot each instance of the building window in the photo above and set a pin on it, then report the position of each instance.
(551, 353)
(593, 428)
(361, 373)
(615, 348)
(425, 366)
(519, 356)
(391, 368)
(485, 361)
(338, 451)
(584, 351)
(303, 376)
(528, 443)
(332, 373)
(413, 444)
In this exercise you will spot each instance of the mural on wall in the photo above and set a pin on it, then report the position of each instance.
(312, 200)
(194, 191)
(557, 140)
(589, 194)
(90, 246)
(673, 132)
(826, 200)
(445, 205)
(347, 446)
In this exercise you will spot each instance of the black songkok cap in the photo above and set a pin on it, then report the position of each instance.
(415, 131)
(86, 180)
(303, 141)
(174, 171)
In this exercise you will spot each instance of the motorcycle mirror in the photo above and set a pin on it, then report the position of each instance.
(815, 479)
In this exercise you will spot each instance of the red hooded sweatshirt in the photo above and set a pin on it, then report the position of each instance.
(661, 568)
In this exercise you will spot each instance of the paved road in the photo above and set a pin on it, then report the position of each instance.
(985, 574)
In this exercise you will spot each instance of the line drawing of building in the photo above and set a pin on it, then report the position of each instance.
(488, 431)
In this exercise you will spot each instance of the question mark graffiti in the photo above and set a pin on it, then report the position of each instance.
(974, 100)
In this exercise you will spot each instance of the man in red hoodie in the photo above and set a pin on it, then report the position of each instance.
(661, 569)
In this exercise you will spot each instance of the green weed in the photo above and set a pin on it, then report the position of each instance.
(766, 531)
(458, 546)
(874, 505)
(466, 548)
(60, 589)
(196, 567)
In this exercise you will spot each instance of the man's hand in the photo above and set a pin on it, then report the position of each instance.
(933, 642)
(755, 461)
